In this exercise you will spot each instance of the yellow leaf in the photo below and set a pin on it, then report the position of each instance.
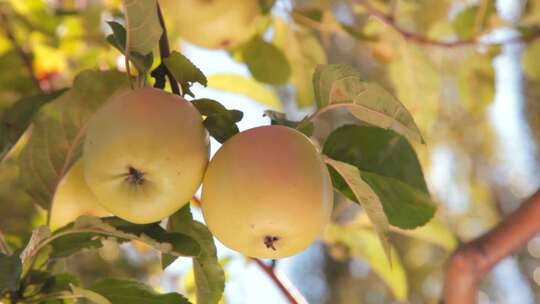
(304, 53)
(142, 25)
(93, 296)
(246, 86)
(364, 245)
(367, 198)
(417, 83)
(435, 232)
(529, 60)
(48, 60)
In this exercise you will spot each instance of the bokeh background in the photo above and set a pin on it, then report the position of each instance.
(478, 107)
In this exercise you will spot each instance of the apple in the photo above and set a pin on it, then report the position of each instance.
(267, 193)
(145, 154)
(73, 198)
(215, 24)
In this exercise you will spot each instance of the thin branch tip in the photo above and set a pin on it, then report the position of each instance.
(293, 296)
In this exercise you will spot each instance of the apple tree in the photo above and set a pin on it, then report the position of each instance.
(106, 125)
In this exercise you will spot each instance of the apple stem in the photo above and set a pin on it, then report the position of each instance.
(164, 52)
(269, 241)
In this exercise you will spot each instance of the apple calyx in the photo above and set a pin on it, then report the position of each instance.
(135, 176)
(269, 241)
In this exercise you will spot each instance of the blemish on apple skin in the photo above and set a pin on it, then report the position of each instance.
(225, 43)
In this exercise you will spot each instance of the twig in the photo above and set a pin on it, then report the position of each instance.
(293, 296)
(164, 52)
(24, 55)
(427, 41)
(471, 262)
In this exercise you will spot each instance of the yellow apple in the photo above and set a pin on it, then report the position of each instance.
(213, 24)
(145, 154)
(73, 198)
(267, 193)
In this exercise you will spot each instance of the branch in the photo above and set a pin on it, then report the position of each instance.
(427, 41)
(164, 52)
(292, 295)
(471, 262)
(25, 56)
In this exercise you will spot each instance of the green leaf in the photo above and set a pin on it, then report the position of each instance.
(529, 60)
(10, 272)
(435, 232)
(304, 52)
(143, 28)
(246, 86)
(220, 122)
(70, 244)
(376, 150)
(388, 164)
(210, 107)
(221, 127)
(324, 77)
(236, 115)
(358, 33)
(58, 132)
(417, 83)
(266, 6)
(466, 23)
(476, 82)
(341, 86)
(424, 22)
(405, 206)
(367, 199)
(45, 282)
(365, 246)
(86, 232)
(180, 221)
(60, 282)
(185, 72)
(117, 39)
(314, 14)
(18, 81)
(37, 277)
(265, 61)
(132, 292)
(94, 297)
(277, 118)
(209, 275)
(531, 12)
(17, 118)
